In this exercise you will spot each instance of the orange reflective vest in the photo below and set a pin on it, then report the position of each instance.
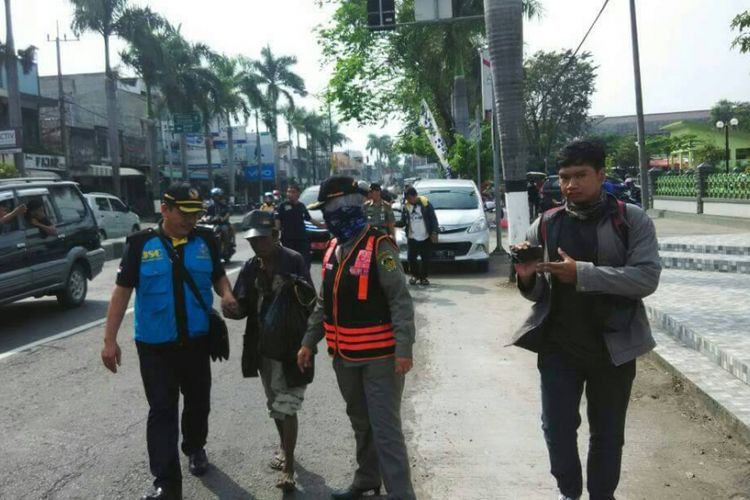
(357, 317)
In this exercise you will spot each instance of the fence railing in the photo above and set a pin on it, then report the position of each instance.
(732, 186)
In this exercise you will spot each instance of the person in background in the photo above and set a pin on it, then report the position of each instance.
(379, 212)
(260, 279)
(36, 216)
(268, 204)
(290, 221)
(418, 216)
(8, 216)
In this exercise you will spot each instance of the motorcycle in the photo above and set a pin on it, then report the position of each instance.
(223, 233)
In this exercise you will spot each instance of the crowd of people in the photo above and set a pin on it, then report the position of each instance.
(586, 265)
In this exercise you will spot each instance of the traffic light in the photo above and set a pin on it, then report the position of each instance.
(381, 14)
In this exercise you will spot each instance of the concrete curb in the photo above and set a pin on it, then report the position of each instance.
(712, 405)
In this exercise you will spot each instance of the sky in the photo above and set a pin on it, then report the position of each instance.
(686, 59)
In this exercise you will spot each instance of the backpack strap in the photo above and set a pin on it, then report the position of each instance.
(327, 257)
(546, 217)
(620, 222)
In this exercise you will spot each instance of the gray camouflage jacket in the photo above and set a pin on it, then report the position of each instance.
(632, 273)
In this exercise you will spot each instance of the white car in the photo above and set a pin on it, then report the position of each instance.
(463, 232)
(113, 217)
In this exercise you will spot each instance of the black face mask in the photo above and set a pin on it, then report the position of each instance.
(346, 222)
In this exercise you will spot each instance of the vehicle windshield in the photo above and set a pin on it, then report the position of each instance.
(309, 195)
(452, 198)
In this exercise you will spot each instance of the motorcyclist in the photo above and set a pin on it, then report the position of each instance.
(218, 213)
(268, 203)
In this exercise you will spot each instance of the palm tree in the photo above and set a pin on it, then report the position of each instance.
(295, 121)
(330, 137)
(231, 104)
(250, 87)
(278, 80)
(314, 125)
(188, 85)
(145, 32)
(103, 17)
(504, 21)
(383, 146)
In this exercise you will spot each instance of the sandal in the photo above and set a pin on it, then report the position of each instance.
(277, 463)
(286, 484)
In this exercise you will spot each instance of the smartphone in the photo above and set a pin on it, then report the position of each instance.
(530, 254)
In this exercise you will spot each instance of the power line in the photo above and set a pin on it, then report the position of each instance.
(565, 68)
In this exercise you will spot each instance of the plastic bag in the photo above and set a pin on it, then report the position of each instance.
(285, 321)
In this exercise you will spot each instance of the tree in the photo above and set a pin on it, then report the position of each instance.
(725, 110)
(103, 17)
(230, 103)
(504, 20)
(314, 127)
(557, 91)
(377, 75)
(295, 119)
(279, 81)
(145, 33)
(330, 137)
(741, 23)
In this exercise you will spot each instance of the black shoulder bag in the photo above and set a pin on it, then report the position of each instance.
(218, 334)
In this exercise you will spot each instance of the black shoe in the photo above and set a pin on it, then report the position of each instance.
(424, 282)
(162, 494)
(198, 463)
(353, 493)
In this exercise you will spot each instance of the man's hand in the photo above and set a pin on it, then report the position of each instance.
(434, 238)
(403, 365)
(20, 210)
(525, 270)
(304, 358)
(229, 305)
(565, 271)
(111, 356)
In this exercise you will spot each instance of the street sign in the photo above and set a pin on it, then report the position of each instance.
(9, 141)
(187, 122)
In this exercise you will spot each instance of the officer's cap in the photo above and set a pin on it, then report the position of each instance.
(183, 196)
(334, 187)
(259, 223)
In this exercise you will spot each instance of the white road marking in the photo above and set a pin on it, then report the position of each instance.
(72, 331)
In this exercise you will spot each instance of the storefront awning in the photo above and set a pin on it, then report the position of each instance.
(106, 171)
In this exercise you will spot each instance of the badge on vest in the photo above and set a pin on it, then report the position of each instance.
(151, 255)
(361, 266)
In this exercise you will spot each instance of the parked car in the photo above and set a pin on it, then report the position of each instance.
(57, 260)
(115, 219)
(463, 230)
(319, 237)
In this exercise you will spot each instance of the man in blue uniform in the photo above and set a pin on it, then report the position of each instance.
(171, 332)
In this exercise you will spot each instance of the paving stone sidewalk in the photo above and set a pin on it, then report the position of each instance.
(708, 312)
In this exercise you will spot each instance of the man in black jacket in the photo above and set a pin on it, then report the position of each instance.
(418, 216)
(256, 286)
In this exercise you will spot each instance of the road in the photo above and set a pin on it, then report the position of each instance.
(471, 413)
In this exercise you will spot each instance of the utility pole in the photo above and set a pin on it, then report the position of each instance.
(330, 137)
(479, 149)
(14, 96)
(640, 126)
(64, 137)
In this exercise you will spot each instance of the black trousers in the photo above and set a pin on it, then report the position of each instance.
(607, 395)
(301, 246)
(421, 249)
(165, 374)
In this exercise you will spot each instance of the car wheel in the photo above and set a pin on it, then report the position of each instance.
(483, 266)
(102, 234)
(76, 288)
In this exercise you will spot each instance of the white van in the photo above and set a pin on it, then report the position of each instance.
(114, 218)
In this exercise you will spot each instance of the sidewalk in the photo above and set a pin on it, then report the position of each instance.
(472, 411)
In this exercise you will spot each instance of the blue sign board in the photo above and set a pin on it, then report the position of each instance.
(266, 172)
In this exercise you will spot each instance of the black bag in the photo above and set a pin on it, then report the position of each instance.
(218, 334)
(285, 320)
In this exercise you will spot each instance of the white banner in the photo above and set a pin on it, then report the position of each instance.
(433, 133)
(488, 93)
